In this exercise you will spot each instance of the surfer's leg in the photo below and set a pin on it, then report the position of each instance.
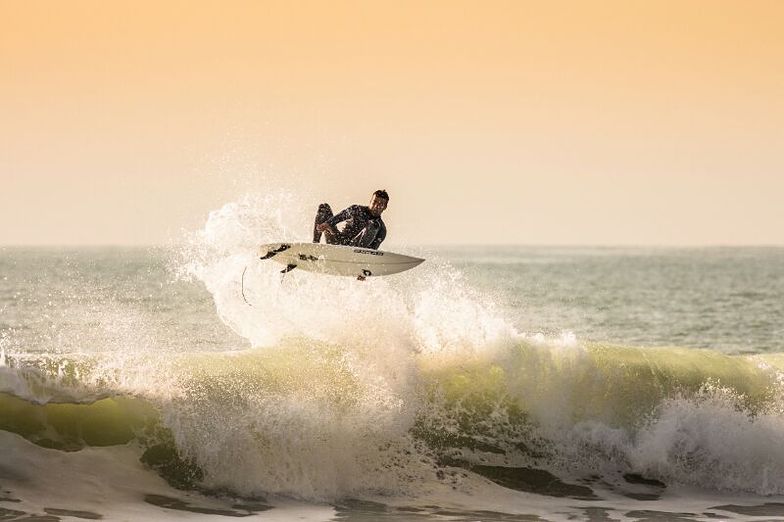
(367, 235)
(323, 213)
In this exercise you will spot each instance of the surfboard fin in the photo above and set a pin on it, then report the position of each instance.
(271, 253)
(288, 268)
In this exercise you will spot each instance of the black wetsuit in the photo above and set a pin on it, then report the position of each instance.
(362, 228)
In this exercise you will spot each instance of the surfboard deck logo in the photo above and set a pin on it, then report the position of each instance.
(337, 259)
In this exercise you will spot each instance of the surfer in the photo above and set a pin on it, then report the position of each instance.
(364, 226)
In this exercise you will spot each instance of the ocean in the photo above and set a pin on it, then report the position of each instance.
(489, 383)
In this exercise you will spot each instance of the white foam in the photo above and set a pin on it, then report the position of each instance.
(110, 482)
(300, 441)
(320, 400)
(713, 440)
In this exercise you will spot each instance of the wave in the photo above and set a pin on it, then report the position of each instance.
(305, 419)
(394, 386)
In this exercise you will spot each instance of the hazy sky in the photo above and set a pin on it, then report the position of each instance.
(583, 122)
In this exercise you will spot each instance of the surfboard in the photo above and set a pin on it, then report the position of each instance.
(337, 259)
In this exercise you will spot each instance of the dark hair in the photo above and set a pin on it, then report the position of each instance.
(382, 194)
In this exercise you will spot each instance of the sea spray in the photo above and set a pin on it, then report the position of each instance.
(326, 388)
(465, 383)
(372, 330)
(311, 419)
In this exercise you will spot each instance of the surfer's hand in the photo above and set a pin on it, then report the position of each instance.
(324, 227)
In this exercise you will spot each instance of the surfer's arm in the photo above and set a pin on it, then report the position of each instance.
(325, 227)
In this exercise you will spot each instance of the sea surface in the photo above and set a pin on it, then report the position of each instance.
(195, 382)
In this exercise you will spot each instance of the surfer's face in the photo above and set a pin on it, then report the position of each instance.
(377, 205)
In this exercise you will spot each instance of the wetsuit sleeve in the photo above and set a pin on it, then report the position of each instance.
(341, 216)
(382, 234)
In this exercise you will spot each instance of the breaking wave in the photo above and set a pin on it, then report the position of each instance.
(395, 385)
(309, 419)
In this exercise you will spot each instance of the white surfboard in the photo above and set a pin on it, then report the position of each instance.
(337, 259)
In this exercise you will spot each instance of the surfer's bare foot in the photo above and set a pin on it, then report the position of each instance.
(360, 278)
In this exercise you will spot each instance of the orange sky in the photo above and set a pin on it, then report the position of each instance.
(580, 122)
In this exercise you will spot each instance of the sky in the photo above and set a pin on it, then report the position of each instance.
(488, 122)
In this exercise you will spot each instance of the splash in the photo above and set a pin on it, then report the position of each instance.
(352, 417)
(327, 387)
(430, 309)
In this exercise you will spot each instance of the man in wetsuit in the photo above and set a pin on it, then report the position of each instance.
(364, 226)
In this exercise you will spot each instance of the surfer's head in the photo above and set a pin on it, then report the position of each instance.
(378, 202)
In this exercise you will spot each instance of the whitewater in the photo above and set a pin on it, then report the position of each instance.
(489, 383)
